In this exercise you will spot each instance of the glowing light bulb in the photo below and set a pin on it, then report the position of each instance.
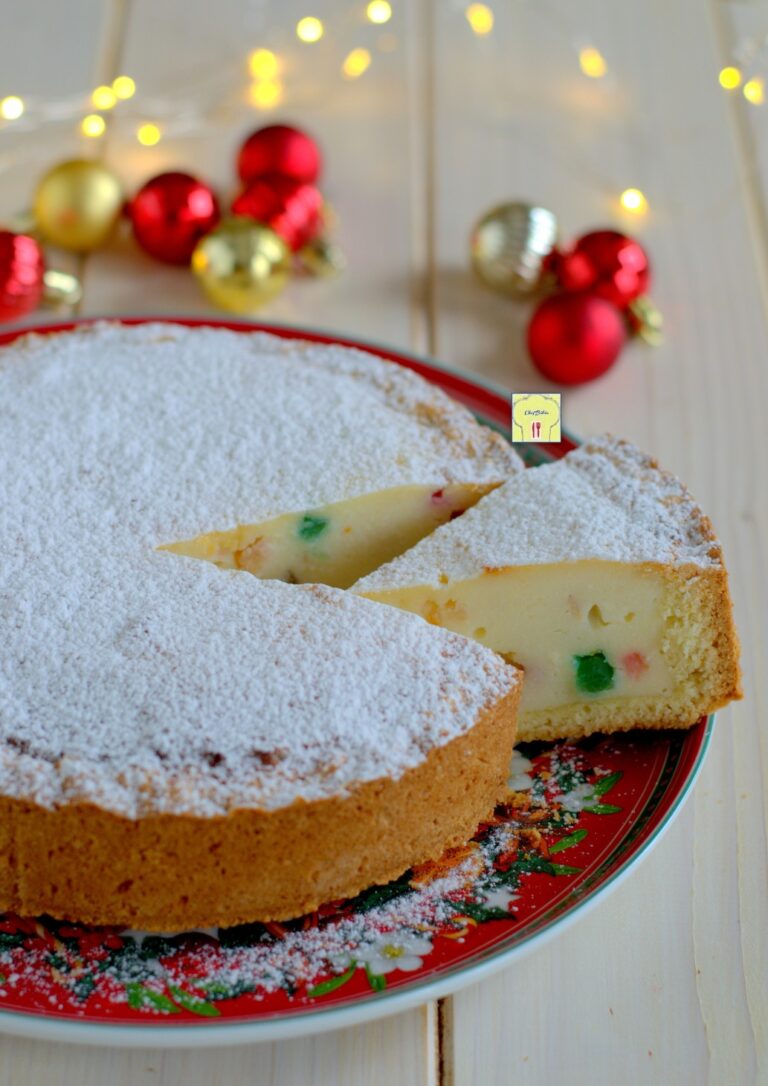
(309, 29)
(480, 18)
(355, 63)
(729, 77)
(265, 94)
(263, 64)
(93, 126)
(592, 62)
(103, 98)
(124, 87)
(148, 135)
(11, 108)
(379, 11)
(754, 91)
(634, 200)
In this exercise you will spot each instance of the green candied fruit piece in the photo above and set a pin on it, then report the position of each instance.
(594, 673)
(311, 527)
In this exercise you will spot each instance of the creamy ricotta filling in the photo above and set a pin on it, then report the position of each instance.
(580, 630)
(334, 544)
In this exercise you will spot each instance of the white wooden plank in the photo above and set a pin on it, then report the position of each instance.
(375, 1055)
(679, 953)
(46, 79)
(740, 33)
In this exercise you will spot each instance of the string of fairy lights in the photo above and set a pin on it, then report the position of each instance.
(265, 90)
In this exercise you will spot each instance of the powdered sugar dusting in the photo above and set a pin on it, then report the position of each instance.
(143, 681)
(170, 432)
(606, 500)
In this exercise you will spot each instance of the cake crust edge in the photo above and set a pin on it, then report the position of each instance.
(174, 872)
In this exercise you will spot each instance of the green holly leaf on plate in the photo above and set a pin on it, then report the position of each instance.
(380, 895)
(331, 985)
(376, 981)
(193, 1003)
(568, 842)
(140, 996)
(605, 784)
(481, 913)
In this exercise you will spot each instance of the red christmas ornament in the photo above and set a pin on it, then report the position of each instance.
(573, 338)
(22, 267)
(606, 263)
(279, 149)
(171, 213)
(292, 209)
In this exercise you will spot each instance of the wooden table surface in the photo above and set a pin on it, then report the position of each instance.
(664, 981)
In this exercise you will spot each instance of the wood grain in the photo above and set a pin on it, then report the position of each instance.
(392, 1049)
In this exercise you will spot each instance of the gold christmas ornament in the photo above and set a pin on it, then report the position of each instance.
(77, 204)
(509, 244)
(322, 258)
(241, 264)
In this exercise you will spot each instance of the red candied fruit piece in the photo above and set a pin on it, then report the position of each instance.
(635, 664)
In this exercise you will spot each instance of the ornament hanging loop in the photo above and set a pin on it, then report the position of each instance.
(646, 321)
(61, 289)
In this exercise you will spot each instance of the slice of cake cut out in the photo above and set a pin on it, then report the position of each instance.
(600, 577)
(292, 460)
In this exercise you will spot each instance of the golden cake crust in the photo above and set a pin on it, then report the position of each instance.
(171, 872)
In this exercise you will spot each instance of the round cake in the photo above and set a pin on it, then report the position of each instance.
(183, 743)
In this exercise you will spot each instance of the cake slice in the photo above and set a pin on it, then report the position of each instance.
(295, 461)
(600, 577)
(337, 542)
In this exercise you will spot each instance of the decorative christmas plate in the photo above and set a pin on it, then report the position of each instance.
(578, 817)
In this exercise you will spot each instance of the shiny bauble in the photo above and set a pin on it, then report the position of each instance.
(508, 247)
(574, 338)
(171, 213)
(22, 267)
(293, 209)
(241, 265)
(279, 149)
(606, 263)
(77, 204)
